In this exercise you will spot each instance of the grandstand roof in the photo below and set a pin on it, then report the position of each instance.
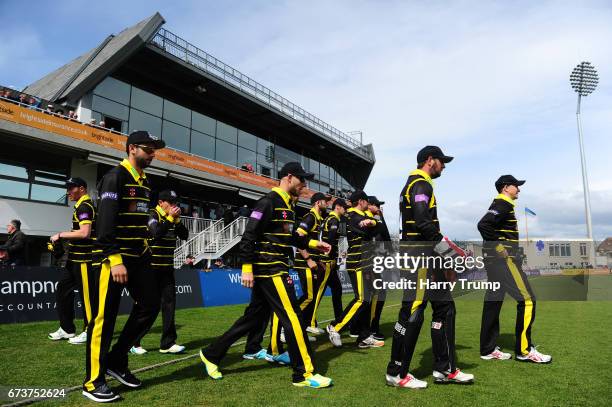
(72, 80)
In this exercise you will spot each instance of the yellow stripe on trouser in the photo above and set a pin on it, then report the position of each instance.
(309, 293)
(274, 338)
(85, 281)
(358, 302)
(373, 307)
(96, 336)
(295, 325)
(528, 313)
(421, 276)
(320, 291)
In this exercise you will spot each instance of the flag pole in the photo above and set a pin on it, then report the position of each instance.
(526, 228)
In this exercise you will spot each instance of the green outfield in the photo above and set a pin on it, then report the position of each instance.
(578, 334)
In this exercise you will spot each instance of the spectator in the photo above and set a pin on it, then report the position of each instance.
(219, 264)
(244, 211)
(15, 245)
(92, 122)
(189, 261)
(33, 102)
(219, 212)
(102, 124)
(23, 99)
(228, 215)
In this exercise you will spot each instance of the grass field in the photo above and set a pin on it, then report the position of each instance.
(577, 334)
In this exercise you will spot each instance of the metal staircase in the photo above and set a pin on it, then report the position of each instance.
(211, 243)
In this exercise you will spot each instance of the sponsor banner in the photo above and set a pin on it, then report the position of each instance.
(27, 294)
(223, 287)
(76, 130)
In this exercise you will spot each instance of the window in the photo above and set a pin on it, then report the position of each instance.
(114, 89)
(144, 121)
(177, 113)
(226, 153)
(246, 157)
(176, 136)
(227, 133)
(265, 148)
(110, 108)
(202, 145)
(247, 140)
(203, 124)
(147, 102)
(25, 181)
(113, 124)
(583, 249)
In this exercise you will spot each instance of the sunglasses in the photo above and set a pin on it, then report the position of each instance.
(147, 149)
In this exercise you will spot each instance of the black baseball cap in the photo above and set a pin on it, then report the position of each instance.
(507, 180)
(168, 195)
(433, 151)
(357, 195)
(144, 137)
(341, 202)
(374, 201)
(76, 182)
(318, 196)
(294, 168)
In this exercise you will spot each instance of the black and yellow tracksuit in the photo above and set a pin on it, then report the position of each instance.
(265, 249)
(330, 233)
(164, 230)
(420, 233)
(122, 232)
(377, 303)
(310, 279)
(356, 262)
(499, 230)
(77, 274)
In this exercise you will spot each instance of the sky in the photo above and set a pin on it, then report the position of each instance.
(488, 82)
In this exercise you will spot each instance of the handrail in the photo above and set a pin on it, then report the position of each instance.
(189, 53)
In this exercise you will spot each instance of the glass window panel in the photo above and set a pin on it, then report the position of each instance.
(48, 194)
(226, 152)
(203, 124)
(143, 121)
(13, 171)
(147, 102)
(247, 140)
(110, 108)
(202, 145)
(265, 147)
(324, 171)
(314, 167)
(114, 89)
(176, 136)
(14, 189)
(246, 157)
(50, 181)
(177, 113)
(227, 132)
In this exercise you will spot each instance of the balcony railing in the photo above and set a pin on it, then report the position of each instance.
(192, 55)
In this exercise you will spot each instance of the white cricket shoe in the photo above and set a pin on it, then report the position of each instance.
(315, 330)
(497, 354)
(138, 350)
(59, 334)
(370, 342)
(282, 336)
(534, 357)
(173, 349)
(408, 382)
(455, 377)
(79, 339)
(334, 337)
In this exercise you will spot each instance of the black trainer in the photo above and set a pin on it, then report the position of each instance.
(101, 394)
(124, 377)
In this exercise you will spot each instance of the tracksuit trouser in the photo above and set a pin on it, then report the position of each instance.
(76, 276)
(143, 287)
(270, 294)
(513, 281)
